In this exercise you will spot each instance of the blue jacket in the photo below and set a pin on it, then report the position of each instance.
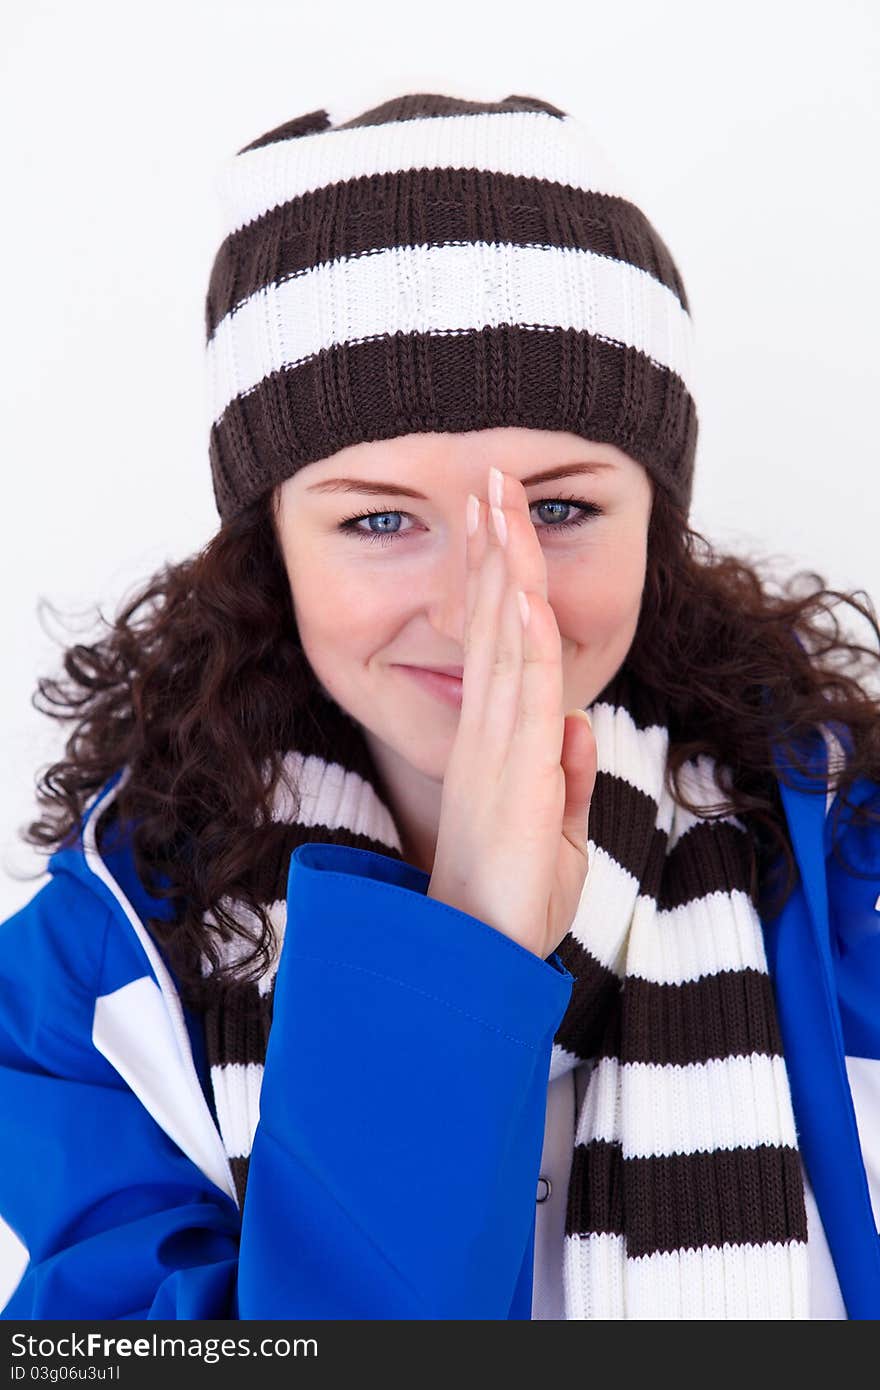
(114, 1174)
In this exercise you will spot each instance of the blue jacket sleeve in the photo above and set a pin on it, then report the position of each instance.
(394, 1165)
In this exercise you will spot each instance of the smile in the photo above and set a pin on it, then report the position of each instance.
(446, 688)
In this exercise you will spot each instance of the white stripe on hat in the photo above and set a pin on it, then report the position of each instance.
(445, 289)
(528, 144)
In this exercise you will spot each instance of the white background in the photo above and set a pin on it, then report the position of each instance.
(750, 129)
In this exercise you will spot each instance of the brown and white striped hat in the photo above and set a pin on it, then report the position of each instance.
(437, 264)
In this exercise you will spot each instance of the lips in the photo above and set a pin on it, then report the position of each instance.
(456, 671)
(440, 683)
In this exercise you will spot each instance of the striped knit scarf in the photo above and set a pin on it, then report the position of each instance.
(685, 1198)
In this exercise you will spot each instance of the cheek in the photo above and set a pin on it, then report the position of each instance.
(599, 596)
(335, 607)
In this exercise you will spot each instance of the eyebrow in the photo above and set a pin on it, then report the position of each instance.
(564, 470)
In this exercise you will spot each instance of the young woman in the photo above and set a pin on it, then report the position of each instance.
(372, 979)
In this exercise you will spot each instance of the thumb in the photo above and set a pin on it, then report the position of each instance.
(579, 761)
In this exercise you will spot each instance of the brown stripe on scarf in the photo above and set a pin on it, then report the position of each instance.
(686, 1201)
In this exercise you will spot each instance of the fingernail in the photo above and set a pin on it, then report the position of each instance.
(473, 513)
(583, 714)
(496, 488)
(500, 524)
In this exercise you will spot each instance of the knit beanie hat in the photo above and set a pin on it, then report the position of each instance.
(438, 264)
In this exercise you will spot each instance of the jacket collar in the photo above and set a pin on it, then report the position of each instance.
(140, 1027)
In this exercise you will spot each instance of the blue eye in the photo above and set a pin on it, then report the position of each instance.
(588, 510)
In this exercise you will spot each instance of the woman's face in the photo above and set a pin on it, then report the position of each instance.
(375, 595)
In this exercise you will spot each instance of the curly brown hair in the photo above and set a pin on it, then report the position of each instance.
(202, 671)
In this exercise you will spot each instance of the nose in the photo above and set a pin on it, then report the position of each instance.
(446, 596)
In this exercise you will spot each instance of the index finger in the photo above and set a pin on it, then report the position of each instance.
(527, 554)
(475, 551)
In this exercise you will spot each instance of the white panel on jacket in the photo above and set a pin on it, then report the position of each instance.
(132, 1030)
(13, 1262)
(864, 1083)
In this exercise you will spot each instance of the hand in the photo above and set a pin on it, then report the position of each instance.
(512, 839)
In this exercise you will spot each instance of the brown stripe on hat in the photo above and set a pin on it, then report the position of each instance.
(416, 105)
(297, 416)
(406, 108)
